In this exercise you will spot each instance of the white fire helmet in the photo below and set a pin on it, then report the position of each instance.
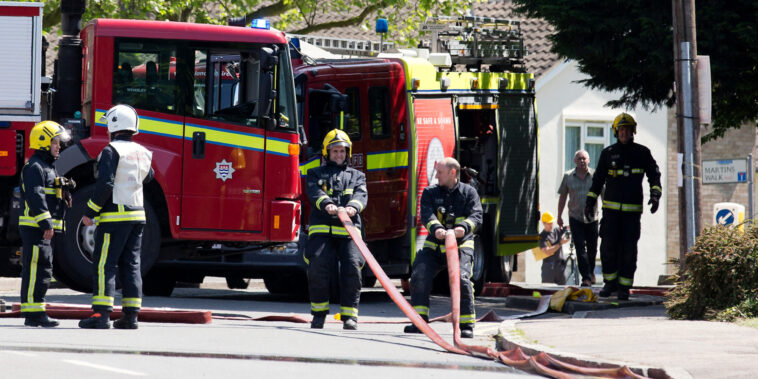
(121, 117)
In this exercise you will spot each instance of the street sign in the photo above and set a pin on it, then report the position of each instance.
(725, 171)
(725, 217)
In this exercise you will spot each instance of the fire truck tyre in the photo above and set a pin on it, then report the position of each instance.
(291, 284)
(237, 282)
(501, 268)
(369, 281)
(73, 261)
(159, 282)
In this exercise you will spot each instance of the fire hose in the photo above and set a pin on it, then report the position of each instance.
(541, 363)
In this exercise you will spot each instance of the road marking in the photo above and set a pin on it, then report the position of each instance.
(21, 353)
(486, 329)
(105, 368)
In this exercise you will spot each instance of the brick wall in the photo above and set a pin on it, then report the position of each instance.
(736, 143)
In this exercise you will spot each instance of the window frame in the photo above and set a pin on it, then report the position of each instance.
(584, 138)
(386, 119)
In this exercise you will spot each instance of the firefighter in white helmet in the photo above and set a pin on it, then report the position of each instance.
(44, 202)
(117, 205)
(330, 187)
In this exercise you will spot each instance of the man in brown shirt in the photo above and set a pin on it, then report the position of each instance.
(575, 185)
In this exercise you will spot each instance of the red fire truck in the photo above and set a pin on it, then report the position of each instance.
(465, 95)
(217, 109)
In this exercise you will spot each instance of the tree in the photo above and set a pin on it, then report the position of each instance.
(294, 16)
(627, 46)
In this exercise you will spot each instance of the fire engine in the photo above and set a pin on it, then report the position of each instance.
(217, 108)
(464, 94)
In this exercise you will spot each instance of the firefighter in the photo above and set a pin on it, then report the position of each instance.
(42, 220)
(448, 205)
(117, 206)
(620, 169)
(331, 187)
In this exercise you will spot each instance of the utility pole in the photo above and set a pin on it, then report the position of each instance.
(688, 123)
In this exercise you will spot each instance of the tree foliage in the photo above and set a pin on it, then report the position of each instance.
(294, 16)
(627, 46)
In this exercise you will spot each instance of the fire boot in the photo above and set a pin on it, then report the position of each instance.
(127, 321)
(608, 289)
(623, 293)
(96, 321)
(350, 323)
(318, 321)
(40, 319)
(467, 330)
(413, 329)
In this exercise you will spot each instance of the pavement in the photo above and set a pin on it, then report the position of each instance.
(636, 333)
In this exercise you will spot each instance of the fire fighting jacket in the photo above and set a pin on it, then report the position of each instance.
(339, 185)
(446, 208)
(620, 168)
(43, 203)
(122, 168)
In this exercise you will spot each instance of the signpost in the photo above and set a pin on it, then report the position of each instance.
(725, 171)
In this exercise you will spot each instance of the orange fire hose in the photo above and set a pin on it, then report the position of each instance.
(541, 363)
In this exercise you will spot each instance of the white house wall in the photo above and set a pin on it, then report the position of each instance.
(561, 98)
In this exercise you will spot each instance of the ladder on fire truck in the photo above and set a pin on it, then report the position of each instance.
(475, 41)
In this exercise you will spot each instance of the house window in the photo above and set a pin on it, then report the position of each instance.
(590, 136)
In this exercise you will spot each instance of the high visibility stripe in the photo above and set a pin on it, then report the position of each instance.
(340, 231)
(465, 245)
(459, 220)
(638, 171)
(320, 307)
(348, 191)
(631, 207)
(122, 216)
(32, 307)
(356, 204)
(656, 188)
(432, 223)
(468, 319)
(29, 221)
(304, 167)
(611, 205)
(132, 302)
(470, 223)
(50, 191)
(625, 281)
(611, 276)
(57, 224)
(422, 310)
(91, 204)
(217, 136)
(102, 300)
(321, 199)
(277, 146)
(386, 160)
(32, 275)
(592, 194)
(349, 311)
(42, 216)
(101, 267)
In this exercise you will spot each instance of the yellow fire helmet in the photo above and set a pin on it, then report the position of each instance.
(42, 135)
(336, 137)
(624, 119)
(547, 217)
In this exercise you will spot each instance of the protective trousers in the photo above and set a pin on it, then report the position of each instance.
(36, 270)
(585, 241)
(620, 232)
(117, 244)
(322, 253)
(429, 262)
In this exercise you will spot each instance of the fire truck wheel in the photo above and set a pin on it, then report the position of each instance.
(159, 282)
(237, 282)
(290, 284)
(73, 260)
(501, 268)
(369, 281)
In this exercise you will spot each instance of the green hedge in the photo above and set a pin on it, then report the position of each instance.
(720, 280)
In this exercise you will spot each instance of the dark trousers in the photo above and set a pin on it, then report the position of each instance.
(322, 253)
(585, 241)
(427, 265)
(117, 251)
(36, 270)
(620, 232)
(554, 269)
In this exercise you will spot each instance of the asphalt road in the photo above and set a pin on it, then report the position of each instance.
(233, 344)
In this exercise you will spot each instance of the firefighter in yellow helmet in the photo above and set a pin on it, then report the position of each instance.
(332, 186)
(620, 169)
(42, 219)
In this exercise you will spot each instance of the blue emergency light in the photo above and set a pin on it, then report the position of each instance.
(260, 23)
(381, 25)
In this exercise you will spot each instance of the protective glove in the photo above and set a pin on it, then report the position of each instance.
(655, 198)
(589, 207)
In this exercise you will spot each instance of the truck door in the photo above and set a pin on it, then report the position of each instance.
(223, 158)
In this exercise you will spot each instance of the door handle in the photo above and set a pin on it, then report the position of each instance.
(198, 145)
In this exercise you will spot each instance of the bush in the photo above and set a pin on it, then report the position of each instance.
(720, 280)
